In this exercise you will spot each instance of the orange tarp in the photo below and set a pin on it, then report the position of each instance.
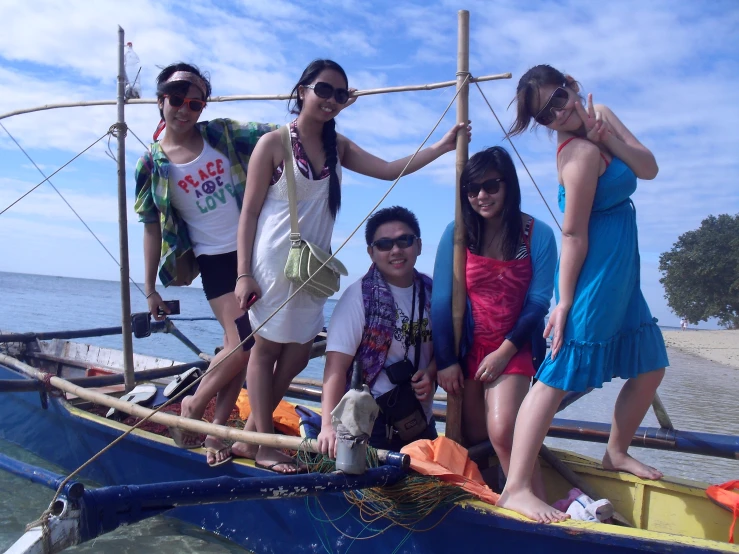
(285, 418)
(447, 460)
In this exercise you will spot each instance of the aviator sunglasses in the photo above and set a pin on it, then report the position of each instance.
(557, 101)
(325, 91)
(194, 104)
(491, 186)
(386, 244)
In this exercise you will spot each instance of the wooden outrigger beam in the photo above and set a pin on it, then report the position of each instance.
(253, 97)
(186, 424)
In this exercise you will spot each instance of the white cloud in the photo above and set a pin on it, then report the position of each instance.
(667, 69)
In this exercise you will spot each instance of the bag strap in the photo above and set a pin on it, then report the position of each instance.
(289, 172)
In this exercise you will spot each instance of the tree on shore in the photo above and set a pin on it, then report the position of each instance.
(701, 272)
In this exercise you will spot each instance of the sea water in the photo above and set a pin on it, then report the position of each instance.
(699, 395)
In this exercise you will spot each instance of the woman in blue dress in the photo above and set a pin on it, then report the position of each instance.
(601, 327)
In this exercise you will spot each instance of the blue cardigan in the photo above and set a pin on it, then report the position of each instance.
(530, 324)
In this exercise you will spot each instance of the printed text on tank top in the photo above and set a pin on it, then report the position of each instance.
(204, 196)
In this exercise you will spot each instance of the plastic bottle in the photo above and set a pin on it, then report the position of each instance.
(132, 65)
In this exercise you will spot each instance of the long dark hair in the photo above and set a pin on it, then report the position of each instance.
(497, 159)
(328, 135)
(527, 90)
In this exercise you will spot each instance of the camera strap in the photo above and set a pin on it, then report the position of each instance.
(416, 337)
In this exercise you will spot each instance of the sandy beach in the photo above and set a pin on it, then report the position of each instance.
(717, 346)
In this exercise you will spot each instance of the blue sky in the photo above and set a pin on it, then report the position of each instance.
(668, 69)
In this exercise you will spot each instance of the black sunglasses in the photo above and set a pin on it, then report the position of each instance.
(326, 91)
(491, 186)
(386, 244)
(557, 101)
(194, 104)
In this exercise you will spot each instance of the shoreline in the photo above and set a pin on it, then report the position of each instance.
(717, 346)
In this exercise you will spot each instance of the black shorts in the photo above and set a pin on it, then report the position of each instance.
(218, 273)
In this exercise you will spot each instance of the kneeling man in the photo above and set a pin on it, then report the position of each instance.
(384, 321)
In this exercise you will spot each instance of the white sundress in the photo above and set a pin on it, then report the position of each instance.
(302, 318)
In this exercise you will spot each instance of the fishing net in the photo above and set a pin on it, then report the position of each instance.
(406, 504)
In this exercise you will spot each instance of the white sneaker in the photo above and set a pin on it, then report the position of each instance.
(584, 508)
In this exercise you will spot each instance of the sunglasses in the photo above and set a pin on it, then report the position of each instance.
(194, 104)
(557, 101)
(403, 241)
(491, 186)
(326, 91)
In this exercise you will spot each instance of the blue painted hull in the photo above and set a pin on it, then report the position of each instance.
(286, 525)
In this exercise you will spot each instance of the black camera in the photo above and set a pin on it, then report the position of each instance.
(173, 305)
(243, 325)
(141, 324)
(400, 372)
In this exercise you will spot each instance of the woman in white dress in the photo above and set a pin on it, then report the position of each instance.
(283, 344)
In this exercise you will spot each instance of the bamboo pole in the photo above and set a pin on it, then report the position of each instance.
(251, 97)
(660, 411)
(192, 425)
(130, 380)
(186, 424)
(459, 292)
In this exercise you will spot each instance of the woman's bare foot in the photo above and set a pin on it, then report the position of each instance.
(527, 504)
(245, 450)
(624, 462)
(275, 460)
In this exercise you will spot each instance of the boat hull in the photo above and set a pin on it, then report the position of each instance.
(68, 437)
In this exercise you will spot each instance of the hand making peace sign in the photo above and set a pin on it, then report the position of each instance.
(598, 130)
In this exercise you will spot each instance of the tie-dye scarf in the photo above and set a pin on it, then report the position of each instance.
(379, 317)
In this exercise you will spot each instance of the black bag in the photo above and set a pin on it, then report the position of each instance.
(400, 372)
(403, 411)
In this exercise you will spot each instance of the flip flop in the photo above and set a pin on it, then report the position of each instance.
(185, 439)
(140, 394)
(215, 452)
(272, 467)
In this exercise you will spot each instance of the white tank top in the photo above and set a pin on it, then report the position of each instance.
(202, 193)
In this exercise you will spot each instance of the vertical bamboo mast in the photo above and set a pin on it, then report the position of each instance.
(459, 289)
(123, 222)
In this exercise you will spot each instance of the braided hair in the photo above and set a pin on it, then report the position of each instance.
(328, 135)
